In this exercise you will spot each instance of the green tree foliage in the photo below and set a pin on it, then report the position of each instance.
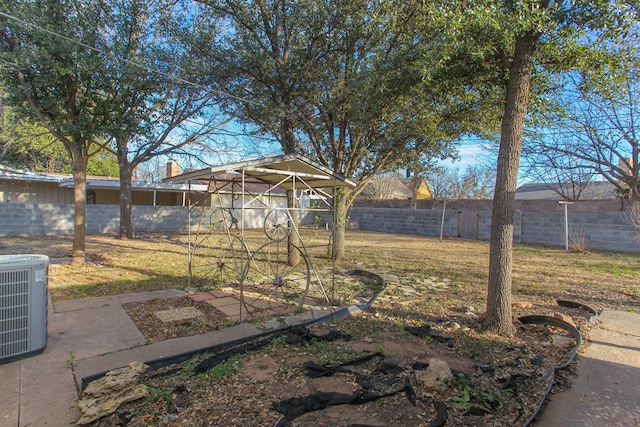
(341, 81)
(103, 163)
(509, 41)
(51, 73)
(376, 108)
(266, 56)
(153, 77)
(118, 75)
(25, 145)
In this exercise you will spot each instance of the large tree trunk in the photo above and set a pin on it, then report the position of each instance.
(294, 239)
(634, 184)
(288, 140)
(498, 318)
(415, 184)
(341, 208)
(79, 202)
(288, 143)
(126, 199)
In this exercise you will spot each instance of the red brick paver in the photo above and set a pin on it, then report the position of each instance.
(202, 296)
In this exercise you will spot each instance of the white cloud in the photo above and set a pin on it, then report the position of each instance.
(470, 154)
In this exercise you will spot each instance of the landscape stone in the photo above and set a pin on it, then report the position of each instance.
(564, 317)
(434, 378)
(562, 341)
(103, 396)
(454, 326)
(179, 313)
(389, 277)
(297, 319)
(522, 304)
(272, 324)
(407, 289)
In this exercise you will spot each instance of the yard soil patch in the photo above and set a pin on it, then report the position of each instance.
(146, 317)
(496, 381)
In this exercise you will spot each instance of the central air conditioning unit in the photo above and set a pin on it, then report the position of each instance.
(23, 305)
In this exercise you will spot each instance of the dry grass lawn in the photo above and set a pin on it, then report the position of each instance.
(160, 261)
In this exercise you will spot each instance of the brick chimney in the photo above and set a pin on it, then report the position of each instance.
(173, 169)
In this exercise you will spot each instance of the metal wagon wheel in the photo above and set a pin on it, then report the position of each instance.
(223, 260)
(222, 257)
(277, 224)
(270, 285)
(222, 220)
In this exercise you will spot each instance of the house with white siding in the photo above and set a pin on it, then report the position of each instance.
(25, 186)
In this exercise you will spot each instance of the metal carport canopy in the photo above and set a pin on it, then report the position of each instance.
(273, 170)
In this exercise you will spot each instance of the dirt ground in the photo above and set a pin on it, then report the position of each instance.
(438, 288)
(496, 381)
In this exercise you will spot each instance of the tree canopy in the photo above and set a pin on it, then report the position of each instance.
(125, 76)
(520, 47)
(153, 78)
(28, 145)
(52, 76)
(24, 144)
(342, 82)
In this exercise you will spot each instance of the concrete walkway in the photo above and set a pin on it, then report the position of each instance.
(97, 335)
(606, 389)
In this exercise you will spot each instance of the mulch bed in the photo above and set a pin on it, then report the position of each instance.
(143, 314)
(497, 380)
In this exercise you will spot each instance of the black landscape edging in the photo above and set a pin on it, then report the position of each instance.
(549, 376)
(183, 357)
(573, 304)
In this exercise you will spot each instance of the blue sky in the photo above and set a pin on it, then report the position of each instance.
(472, 152)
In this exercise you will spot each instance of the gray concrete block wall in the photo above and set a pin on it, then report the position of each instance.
(607, 231)
(102, 219)
(422, 222)
(52, 219)
(601, 230)
(546, 228)
(594, 231)
(35, 219)
(161, 218)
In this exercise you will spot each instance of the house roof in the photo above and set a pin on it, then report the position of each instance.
(288, 171)
(114, 184)
(7, 172)
(541, 191)
(93, 182)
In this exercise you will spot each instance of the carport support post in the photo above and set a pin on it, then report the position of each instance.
(566, 223)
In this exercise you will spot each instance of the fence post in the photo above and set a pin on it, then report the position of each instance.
(444, 207)
(566, 223)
